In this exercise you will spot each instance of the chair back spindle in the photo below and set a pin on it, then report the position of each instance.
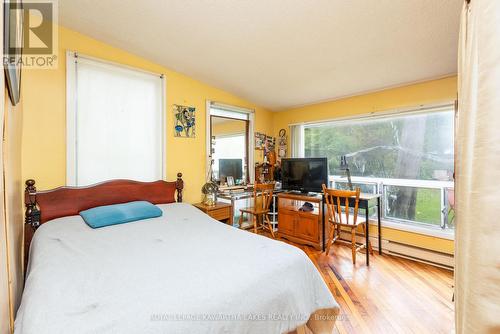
(263, 195)
(333, 201)
(262, 198)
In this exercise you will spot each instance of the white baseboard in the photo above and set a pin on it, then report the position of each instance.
(419, 254)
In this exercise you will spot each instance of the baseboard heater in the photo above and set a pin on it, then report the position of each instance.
(410, 252)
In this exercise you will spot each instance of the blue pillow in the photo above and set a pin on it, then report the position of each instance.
(119, 213)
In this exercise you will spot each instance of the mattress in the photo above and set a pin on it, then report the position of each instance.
(183, 272)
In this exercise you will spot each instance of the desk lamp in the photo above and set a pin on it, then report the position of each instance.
(345, 166)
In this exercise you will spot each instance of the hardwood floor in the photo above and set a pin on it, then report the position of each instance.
(393, 295)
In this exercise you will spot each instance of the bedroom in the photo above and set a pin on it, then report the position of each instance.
(392, 97)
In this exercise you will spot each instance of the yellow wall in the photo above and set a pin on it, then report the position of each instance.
(430, 92)
(229, 127)
(436, 91)
(44, 91)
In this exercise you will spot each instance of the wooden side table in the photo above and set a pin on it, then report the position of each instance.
(220, 211)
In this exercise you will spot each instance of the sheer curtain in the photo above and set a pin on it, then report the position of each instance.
(297, 140)
(115, 125)
(477, 245)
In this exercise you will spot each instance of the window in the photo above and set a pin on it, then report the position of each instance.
(115, 122)
(407, 157)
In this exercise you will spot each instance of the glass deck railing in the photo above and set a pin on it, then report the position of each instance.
(428, 203)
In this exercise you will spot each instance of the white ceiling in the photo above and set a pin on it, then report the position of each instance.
(281, 53)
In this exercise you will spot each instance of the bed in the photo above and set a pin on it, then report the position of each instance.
(183, 272)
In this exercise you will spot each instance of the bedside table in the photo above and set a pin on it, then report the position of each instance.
(220, 211)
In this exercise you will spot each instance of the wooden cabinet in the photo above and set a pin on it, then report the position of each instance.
(307, 226)
(300, 226)
(286, 221)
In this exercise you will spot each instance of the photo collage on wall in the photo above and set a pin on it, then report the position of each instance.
(264, 142)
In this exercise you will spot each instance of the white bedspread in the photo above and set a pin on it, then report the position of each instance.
(180, 273)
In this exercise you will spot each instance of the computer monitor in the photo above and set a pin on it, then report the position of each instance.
(231, 167)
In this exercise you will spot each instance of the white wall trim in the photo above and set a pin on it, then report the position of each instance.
(208, 137)
(71, 112)
(251, 147)
(164, 118)
(229, 107)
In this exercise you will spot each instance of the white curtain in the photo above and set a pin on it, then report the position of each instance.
(477, 247)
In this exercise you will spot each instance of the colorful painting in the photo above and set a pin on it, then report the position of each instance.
(185, 125)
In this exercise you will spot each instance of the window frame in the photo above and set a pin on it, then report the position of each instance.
(250, 113)
(380, 183)
(71, 112)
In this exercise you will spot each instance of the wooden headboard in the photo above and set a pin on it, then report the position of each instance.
(42, 206)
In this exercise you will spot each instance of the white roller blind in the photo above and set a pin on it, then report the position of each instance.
(115, 123)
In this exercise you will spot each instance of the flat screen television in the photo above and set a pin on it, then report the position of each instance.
(304, 174)
(231, 167)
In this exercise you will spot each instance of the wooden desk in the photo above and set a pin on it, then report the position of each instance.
(220, 211)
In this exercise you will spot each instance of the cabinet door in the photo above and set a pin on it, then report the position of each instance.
(286, 221)
(306, 227)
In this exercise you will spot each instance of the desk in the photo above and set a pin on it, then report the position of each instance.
(246, 195)
(364, 203)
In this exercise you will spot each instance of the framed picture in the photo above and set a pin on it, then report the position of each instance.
(260, 141)
(230, 181)
(13, 41)
(185, 121)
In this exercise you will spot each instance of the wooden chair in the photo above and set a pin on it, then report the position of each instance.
(262, 198)
(339, 219)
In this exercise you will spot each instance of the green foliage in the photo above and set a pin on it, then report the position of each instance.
(373, 147)
(413, 147)
(428, 207)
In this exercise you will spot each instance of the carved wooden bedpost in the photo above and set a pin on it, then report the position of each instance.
(32, 214)
(179, 185)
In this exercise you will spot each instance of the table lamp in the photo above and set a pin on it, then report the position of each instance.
(210, 188)
(345, 166)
